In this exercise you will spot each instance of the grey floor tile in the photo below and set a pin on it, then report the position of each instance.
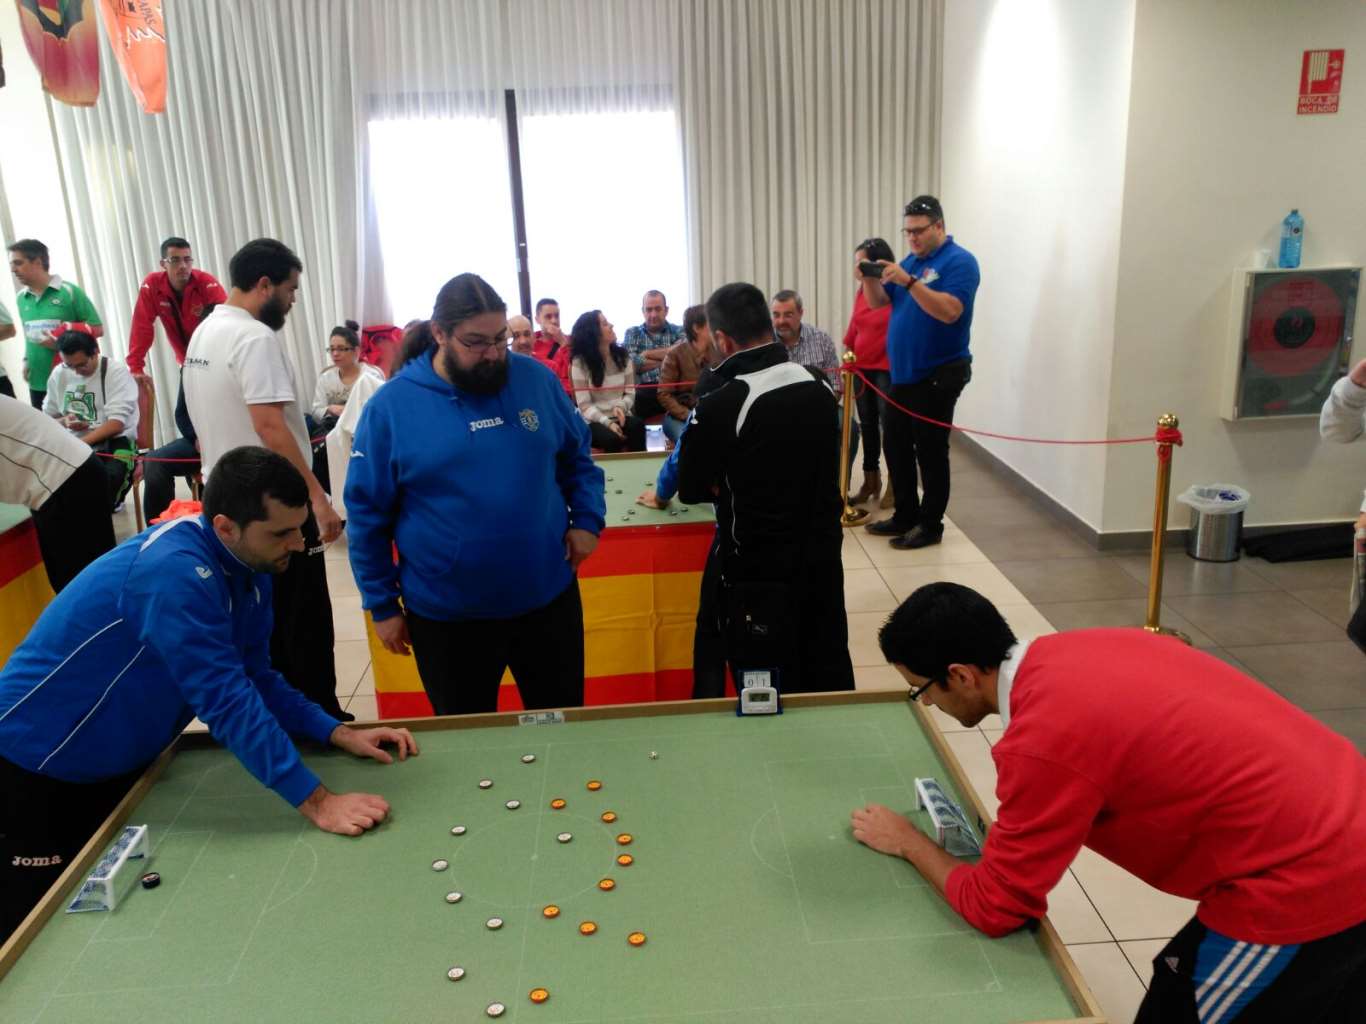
(1129, 611)
(1002, 543)
(1316, 676)
(1269, 617)
(981, 514)
(1182, 574)
(1326, 572)
(1351, 724)
(1330, 602)
(1071, 579)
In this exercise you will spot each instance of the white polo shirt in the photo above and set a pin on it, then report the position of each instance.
(37, 453)
(235, 361)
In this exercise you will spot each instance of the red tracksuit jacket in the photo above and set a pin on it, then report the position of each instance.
(1182, 770)
(180, 314)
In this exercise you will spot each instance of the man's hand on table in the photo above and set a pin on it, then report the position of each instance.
(346, 814)
(882, 829)
(370, 742)
(650, 499)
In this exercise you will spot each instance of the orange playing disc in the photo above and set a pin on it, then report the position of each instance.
(551, 911)
(636, 938)
(607, 885)
(609, 816)
(594, 785)
(626, 860)
(587, 928)
(556, 805)
(540, 995)
(624, 839)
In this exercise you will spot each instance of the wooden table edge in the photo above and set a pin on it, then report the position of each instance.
(1046, 936)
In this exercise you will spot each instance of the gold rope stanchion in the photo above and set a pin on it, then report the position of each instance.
(851, 516)
(1167, 436)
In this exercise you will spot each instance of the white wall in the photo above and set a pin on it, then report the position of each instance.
(28, 168)
(1216, 157)
(1036, 94)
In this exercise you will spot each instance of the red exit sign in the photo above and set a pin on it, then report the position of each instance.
(1320, 81)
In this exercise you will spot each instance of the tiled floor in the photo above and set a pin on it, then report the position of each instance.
(1283, 624)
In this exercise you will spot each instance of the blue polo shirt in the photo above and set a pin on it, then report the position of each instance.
(917, 343)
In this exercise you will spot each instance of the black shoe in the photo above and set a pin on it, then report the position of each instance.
(917, 538)
(885, 528)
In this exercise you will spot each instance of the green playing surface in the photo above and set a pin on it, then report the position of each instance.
(627, 476)
(758, 904)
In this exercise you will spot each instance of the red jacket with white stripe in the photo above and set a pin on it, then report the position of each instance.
(1182, 770)
(180, 314)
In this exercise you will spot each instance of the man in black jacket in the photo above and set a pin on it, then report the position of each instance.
(764, 446)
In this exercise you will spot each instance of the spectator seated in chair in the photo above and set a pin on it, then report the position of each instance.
(682, 368)
(96, 399)
(605, 385)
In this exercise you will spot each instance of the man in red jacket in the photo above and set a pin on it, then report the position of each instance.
(1175, 766)
(177, 295)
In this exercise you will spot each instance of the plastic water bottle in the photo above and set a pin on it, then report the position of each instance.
(1292, 237)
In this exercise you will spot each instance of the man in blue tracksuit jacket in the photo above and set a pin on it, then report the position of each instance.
(474, 464)
(173, 623)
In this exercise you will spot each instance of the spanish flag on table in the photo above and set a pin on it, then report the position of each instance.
(24, 589)
(640, 590)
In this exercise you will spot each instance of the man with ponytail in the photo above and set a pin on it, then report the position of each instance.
(474, 465)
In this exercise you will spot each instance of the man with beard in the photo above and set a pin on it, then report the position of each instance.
(173, 623)
(241, 390)
(475, 466)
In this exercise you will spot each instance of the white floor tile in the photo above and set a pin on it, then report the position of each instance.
(1111, 978)
(952, 550)
(364, 708)
(974, 754)
(985, 578)
(366, 687)
(863, 648)
(878, 677)
(1131, 909)
(865, 591)
(1141, 954)
(352, 658)
(1073, 915)
(1025, 621)
(348, 620)
(852, 554)
(947, 724)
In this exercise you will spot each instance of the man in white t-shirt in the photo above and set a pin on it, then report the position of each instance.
(60, 480)
(96, 399)
(240, 389)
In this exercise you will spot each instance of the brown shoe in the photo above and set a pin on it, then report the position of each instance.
(872, 487)
(888, 498)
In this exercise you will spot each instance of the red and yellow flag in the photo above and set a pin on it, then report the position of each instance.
(61, 38)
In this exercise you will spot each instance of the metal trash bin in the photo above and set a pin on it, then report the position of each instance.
(1216, 529)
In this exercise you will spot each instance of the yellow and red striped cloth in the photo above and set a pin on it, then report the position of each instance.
(639, 590)
(24, 589)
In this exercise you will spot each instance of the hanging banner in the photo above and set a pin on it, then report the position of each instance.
(1320, 81)
(65, 46)
(137, 35)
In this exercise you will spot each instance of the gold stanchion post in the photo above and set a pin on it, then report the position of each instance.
(1167, 437)
(851, 516)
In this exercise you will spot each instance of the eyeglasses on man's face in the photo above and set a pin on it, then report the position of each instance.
(479, 345)
(914, 695)
(179, 261)
(917, 232)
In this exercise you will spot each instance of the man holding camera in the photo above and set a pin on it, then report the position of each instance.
(931, 293)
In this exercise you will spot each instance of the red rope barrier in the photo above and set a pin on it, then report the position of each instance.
(1161, 438)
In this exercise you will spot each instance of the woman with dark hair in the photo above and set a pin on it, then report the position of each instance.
(866, 337)
(604, 385)
(335, 383)
(477, 471)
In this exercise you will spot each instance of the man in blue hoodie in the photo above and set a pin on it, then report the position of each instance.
(173, 623)
(474, 464)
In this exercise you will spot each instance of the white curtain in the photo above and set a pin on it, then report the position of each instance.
(804, 125)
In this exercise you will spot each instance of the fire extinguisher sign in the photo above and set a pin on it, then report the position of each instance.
(1320, 81)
